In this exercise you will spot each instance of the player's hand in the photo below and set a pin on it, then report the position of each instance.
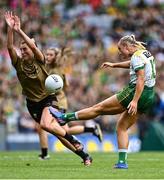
(132, 107)
(9, 18)
(107, 64)
(17, 24)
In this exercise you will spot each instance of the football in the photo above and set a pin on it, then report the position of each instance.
(53, 83)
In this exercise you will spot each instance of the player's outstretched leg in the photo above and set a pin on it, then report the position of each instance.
(109, 106)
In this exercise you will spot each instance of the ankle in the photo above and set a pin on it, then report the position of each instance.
(82, 154)
(44, 151)
(122, 156)
(69, 117)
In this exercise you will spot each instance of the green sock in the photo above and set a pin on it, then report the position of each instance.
(122, 157)
(69, 117)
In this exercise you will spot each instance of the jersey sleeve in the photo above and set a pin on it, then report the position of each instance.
(16, 62)
(137, 63)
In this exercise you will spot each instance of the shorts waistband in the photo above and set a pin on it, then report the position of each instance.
(149, 88)
(145, 87)
(43, 100)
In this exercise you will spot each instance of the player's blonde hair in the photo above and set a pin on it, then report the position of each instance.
(61, 55)
(56, 53)
(130, 39)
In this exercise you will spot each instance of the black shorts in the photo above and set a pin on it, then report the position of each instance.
(35, 108)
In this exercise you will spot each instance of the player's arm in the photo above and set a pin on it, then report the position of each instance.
(125, 64)
(10, 46)
(138, 91)
(9, 18)
(30, 42)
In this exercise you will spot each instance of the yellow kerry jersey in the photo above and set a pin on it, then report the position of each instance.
(32, 78)
(61, 97)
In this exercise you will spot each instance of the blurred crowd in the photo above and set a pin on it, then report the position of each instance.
(91, 28)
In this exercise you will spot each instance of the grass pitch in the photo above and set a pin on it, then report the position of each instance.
(25, 165)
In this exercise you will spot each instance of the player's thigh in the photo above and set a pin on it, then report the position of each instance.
(126, 120)
(50, 124)
(111, 106)
(46, 118)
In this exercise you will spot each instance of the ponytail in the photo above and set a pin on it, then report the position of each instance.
(130, 39)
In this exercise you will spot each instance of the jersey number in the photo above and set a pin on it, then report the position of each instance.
(148, 54)
(153, 68)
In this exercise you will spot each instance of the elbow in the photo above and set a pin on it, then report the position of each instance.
(33, 47)
(31, 44)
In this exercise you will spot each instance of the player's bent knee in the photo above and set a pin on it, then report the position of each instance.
(120, 128)
(48, 128)
(43, 126)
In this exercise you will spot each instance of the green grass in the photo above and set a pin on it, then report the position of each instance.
(25, 165)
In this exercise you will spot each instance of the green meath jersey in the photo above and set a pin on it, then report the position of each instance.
(32, 79)
(142, 59)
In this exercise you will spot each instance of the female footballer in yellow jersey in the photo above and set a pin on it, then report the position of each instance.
(134, 99)
(31, 73)
(55, 58)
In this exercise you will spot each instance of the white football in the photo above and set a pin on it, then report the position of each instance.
(53, 83)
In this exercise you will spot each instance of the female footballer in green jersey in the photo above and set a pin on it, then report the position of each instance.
(31, 72)
(133, 100)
